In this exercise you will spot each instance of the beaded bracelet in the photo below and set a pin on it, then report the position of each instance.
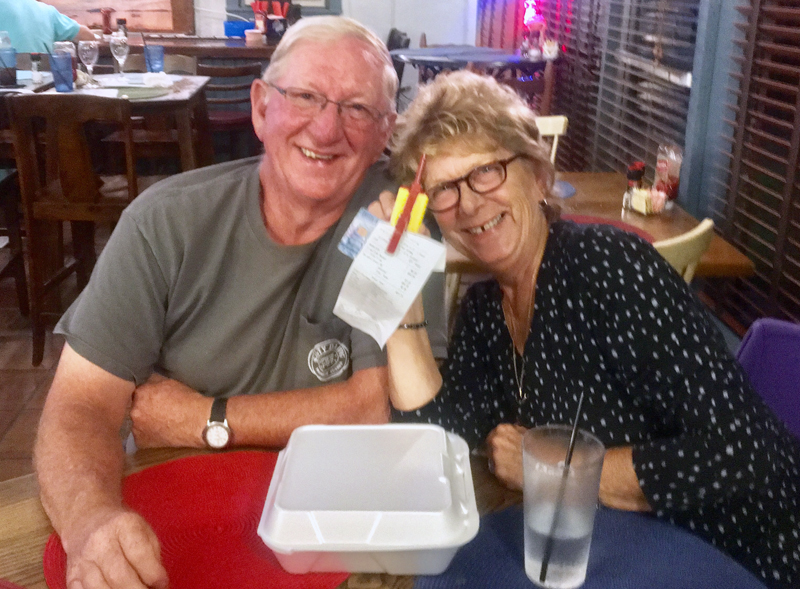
(413, 325)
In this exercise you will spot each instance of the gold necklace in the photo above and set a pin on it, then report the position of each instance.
(519, 375)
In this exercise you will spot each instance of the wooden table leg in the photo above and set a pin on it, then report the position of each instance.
(205, 143)
(183, 119)
(549, 87)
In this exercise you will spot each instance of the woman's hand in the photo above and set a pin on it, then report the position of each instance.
(383, 207)
(504, 449)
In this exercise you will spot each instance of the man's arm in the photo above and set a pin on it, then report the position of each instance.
(79, 462)
(168, 413)
(84, 34)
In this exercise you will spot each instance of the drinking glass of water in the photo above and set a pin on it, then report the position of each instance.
(119, 49)
(88, 52)
(560, 503)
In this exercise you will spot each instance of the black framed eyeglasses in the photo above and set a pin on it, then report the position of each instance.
(309, 103)
(480, 180)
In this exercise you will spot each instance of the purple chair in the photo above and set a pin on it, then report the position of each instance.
(770, 355)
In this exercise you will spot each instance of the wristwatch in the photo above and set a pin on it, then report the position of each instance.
(217, 433)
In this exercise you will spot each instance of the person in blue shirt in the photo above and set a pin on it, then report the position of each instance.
(34, 26)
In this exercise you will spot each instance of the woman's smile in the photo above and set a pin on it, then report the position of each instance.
(491, 224)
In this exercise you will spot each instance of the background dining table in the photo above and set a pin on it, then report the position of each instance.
(599, 194)
(185, 99)
(493, 558)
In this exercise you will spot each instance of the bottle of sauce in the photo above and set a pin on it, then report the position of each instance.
(635, 175)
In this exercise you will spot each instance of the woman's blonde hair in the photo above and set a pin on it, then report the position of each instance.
(326, 29)
(463, 108)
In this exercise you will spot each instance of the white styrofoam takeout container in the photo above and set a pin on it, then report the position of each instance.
(394, 499)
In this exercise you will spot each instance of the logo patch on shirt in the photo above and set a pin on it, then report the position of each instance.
(328, 359)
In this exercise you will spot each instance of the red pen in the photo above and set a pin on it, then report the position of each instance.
(402, 222)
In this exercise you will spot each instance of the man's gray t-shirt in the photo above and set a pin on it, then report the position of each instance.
(191, 285)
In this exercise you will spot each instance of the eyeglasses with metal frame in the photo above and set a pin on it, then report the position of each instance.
(482, 179)
(309, 102)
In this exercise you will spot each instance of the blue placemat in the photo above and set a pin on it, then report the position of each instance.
(629, 551)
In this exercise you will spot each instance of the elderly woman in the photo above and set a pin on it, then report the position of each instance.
(584, 310)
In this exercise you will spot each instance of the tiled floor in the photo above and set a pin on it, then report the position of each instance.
(22, 387)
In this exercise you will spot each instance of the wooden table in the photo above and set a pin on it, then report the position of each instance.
(24, 527)
(187, 103)
(599, 194)
(201, 47)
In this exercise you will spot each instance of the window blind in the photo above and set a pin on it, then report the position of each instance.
(575, 24)
(624, 78)
(645, 80)
(756, 195)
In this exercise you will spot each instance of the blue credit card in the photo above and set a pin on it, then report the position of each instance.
(356, 235)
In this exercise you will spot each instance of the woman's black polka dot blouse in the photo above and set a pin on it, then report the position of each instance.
(614, 321)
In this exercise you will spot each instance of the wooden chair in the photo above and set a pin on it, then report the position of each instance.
(684, 251)
(135, 63)
(553, 126)
(222, 97)
(14, 266)
(155, 136)
(59, 182)
(180, 64)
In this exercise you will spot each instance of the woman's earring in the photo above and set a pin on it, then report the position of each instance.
(551, 212)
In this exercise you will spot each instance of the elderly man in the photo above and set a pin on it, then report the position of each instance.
(34, 26)
(214, 297)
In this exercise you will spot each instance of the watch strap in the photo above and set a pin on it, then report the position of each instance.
(218, 410)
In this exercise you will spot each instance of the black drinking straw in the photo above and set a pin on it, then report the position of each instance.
(548, 547)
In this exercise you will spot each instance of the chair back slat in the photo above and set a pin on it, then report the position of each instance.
(233, 90)
(229, 71)
(553, 127)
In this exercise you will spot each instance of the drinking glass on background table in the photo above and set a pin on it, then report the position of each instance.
(8, 66)
(559, 510)
(68, 47)
(88, 52)
(61, 67)
(119, 49)
(154, 58)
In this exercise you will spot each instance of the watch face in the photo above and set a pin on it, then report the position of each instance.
(217, 435)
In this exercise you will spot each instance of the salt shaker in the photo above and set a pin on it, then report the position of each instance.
(36, 75)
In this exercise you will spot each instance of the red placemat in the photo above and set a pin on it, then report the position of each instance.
(9, 585)
(205, 511)
(586, 219)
